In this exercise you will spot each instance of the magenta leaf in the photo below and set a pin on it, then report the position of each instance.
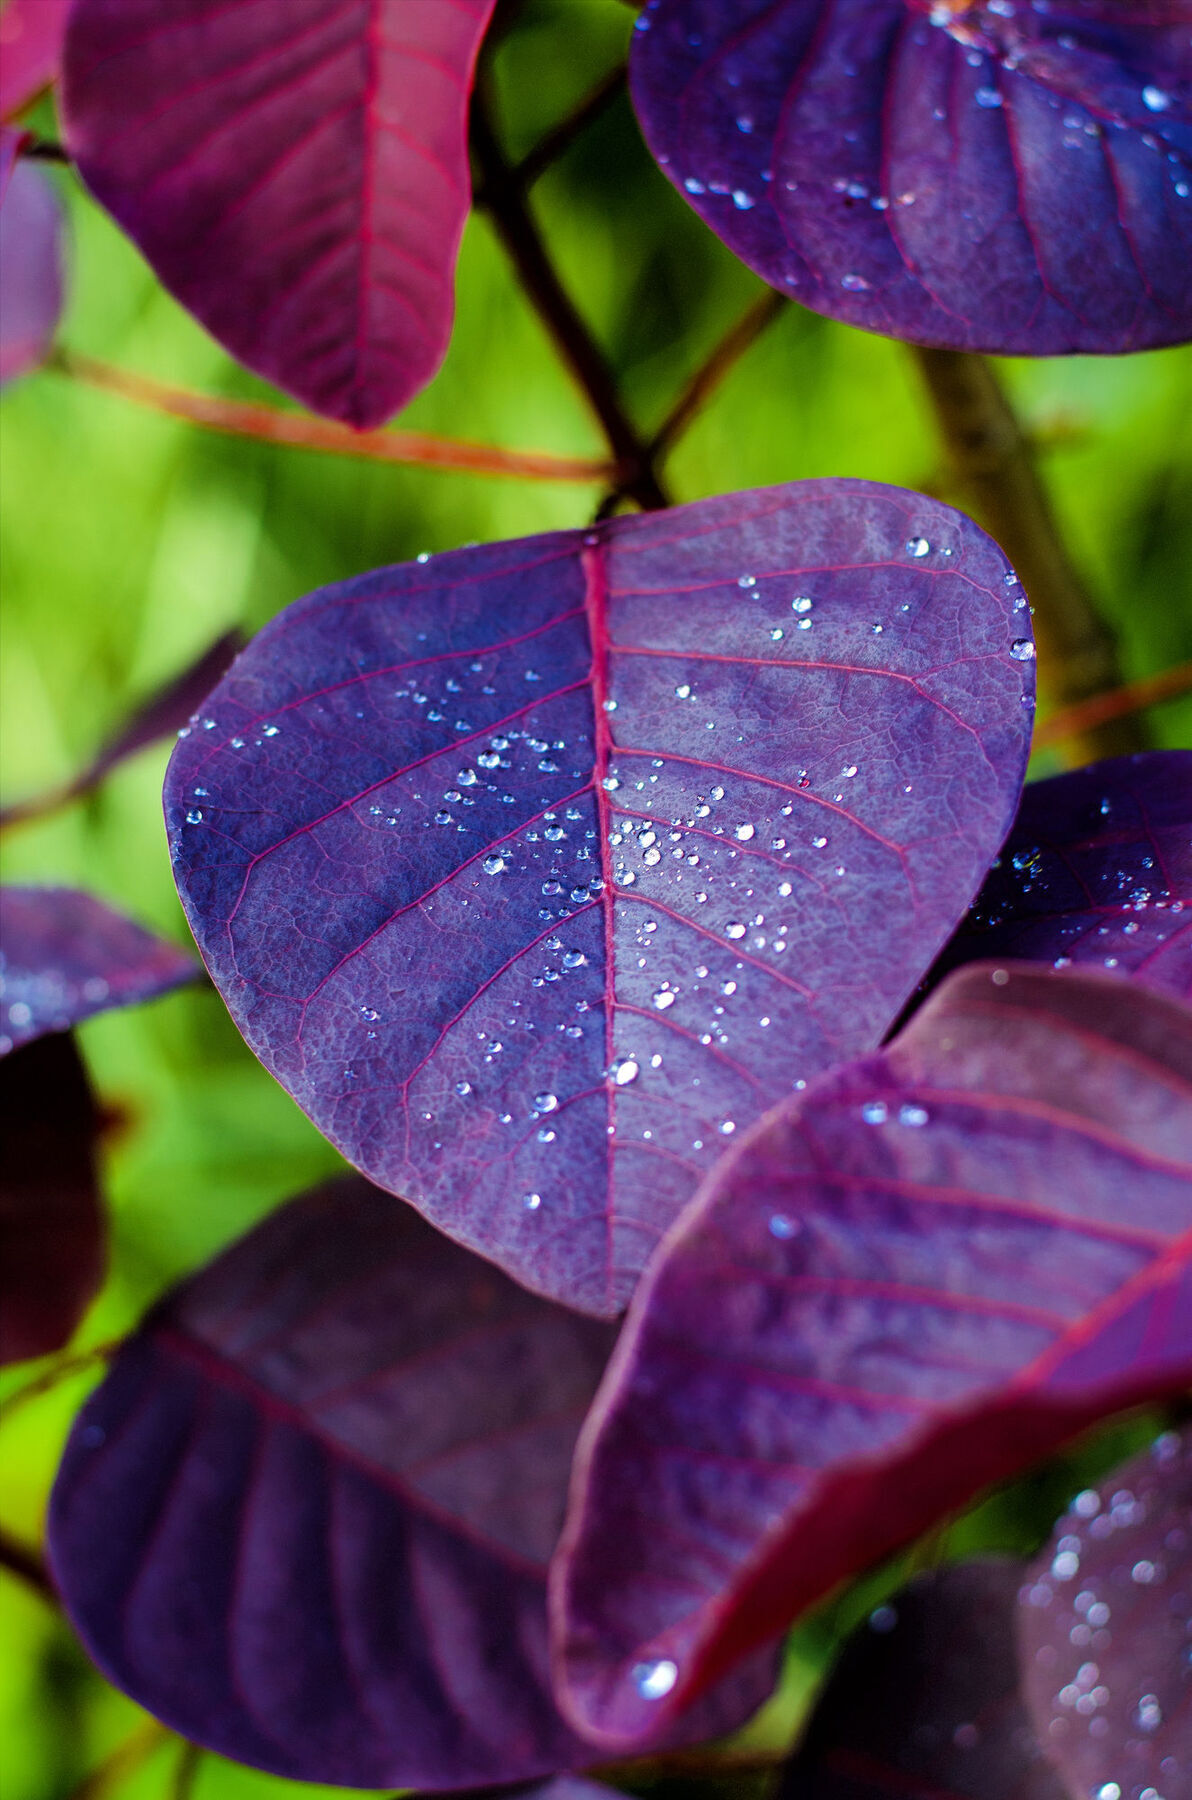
(306, 1518)
(51, 1223)
(1106, 1631)
(1010, 178)
(924, 1703)
(1097, 871)
(31, 262)
(161, 715)
(295, 171)
(65, 955)
(30, 49)
(536, 871)
(910, 1282)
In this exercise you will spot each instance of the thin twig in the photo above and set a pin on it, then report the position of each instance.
(61, 1370)
(124, 1761)
(185, 1771)
(699, 390)
(1120, 703)
(27, 1564)
(993, 461)
(500, 193)
(240, 418)
(560, 137)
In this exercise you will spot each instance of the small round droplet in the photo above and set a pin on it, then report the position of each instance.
(875, 1112)
(912, 1115)
(734, 929)
(782, 1227)
(743, 833)
(545, 1103)
(531, 1202)
(493, 864)
(663, 998)
(655, 1679)
(625, 1072)
(1023, 650)
(917, 546)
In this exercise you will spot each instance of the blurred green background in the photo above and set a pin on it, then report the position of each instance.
(129, 541)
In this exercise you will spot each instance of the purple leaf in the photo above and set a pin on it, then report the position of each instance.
(159, 716)
(51, 1223)
(30, 262)
(66, 956)
(306, 1518)
(909, 1283)
(295, 171)
(1005, 178)
(30, 49)
(537, 871)
(1106, 1631)
(924, 1703)
(1097, 871)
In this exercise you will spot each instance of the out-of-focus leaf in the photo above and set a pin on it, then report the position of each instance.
(306, 1518)
(296, 172)
(1097, 871)
(30, 49)
(535, 872)
(65, 955)
(30, 263)
(164, 713)
(1106, 1631)
(934, 1267)
(985, 176)
(51, 1224)
(925, 1701)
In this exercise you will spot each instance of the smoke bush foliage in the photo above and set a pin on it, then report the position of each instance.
(768, 1125)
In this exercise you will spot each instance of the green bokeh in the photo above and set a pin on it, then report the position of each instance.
(130, 541)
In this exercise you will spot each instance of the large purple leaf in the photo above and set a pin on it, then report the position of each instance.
(1106, 1631)
(1097, 871)
(65, 955)
(30, 49)
(31, 260)
(537, 871)
(51, 1223)
(924, 1703)
(1002, 177)
(296, 172)
(306, 1518)
(935, 1266)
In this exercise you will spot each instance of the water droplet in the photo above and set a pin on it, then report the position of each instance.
(442, 818)
(574, 959)
(664, 998)
(493, 864)
(463, 1089)
(625, 1072)
(1149, 1714)
(194, 816)
(1155, 100)
(545, 1103)
(743, 833)
(683, 691)
(727, 1127)
(531, 1202)
(856, 284)
(610, 784)
(917, 546)
(1022, 650)
(801, 603)
(912, 1115)
(875, 1112)
(746, 581)
(734, 929)
(883, 1619)
(654, 1679)
(1065, 1565)
(782, 1227)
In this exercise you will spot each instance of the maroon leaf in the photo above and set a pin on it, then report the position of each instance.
(930, 1270)
(306, 1518)
(51, 1224)
(65, 955)
(1106, 1631)
(162, 714)
(295, 171)
(924, 1703)
(30, 262)
(30, 49)
(1097, 871)
(536, 872)
(989, 176)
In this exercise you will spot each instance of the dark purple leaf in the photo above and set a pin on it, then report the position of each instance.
(924, 1703)
(1012, 178)
(30, 49)
(928, 1271)
(30, 263)
(535, 872)
(296, 172)
(51, 1224)
(65, 955)
(1106, 1631)
(1097, 871)
(161, 715)
(306, 1518)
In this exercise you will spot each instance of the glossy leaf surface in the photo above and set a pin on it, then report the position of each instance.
(51, 1225)
(65, 955)
(910, 1282)
(1011, 178)
(925, 1701)
(536, 871)
(1097, 872)
(1106, 1630)
(295, 171)
(31, 263)
(30, 49)
(306, 1518)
